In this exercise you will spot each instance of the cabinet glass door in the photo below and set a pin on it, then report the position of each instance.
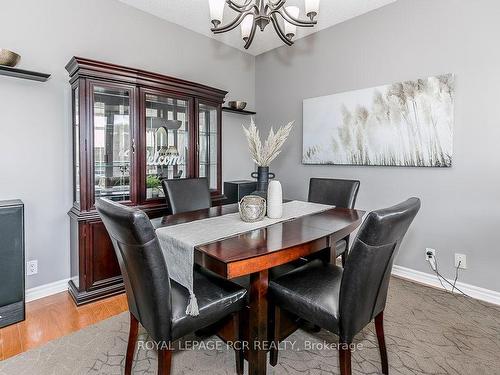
(167, 141)
(112, 142)
(208, 138)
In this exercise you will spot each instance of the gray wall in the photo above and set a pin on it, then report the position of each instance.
(35, 130)
(406, 40)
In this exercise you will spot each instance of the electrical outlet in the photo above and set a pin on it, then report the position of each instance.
(461, 259)
(429, 253)
(32, 267)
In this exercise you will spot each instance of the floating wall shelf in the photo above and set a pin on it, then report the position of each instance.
(24, 74)
(241, 112)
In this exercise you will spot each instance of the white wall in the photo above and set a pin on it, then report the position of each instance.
(35, 128)
(406, 40)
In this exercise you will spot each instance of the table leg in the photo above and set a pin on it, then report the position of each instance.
(257, 356)
(333, 251)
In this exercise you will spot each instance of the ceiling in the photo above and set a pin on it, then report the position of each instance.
(194, 15)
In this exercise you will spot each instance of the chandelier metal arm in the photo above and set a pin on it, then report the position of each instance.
(294, 21)
(279, 31)
(277, 5)
(240, 8)
(233, 24)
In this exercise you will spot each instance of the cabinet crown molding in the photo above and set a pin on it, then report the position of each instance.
(79, 67)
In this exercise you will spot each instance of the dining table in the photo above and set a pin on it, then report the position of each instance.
(255, 252)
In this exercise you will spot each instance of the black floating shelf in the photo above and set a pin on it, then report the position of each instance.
(240, 111)
(24, 74)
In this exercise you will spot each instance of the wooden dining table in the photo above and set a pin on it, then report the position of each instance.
(255, 252)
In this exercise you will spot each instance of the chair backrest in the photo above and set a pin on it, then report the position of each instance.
(336, 192)
(187, 194)
(363, 291)
(142, 265)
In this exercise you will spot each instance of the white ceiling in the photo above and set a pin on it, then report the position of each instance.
(194, 15)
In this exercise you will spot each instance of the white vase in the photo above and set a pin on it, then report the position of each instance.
(274, 200)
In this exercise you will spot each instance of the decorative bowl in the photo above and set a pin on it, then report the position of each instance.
(173, 124)
(8, 58)
(158, 122)
(252, 208)
(236, 104)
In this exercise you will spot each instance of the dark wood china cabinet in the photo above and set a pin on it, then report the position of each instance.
(131, 129)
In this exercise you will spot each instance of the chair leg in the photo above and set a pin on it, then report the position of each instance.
(345, 359)
(276, 332)
(379, 327)
(240, 360)
(164, 361)
(132, 340)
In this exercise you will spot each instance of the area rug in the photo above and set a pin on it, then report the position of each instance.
(427, 332)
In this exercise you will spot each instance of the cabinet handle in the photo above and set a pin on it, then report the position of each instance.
(133, 145)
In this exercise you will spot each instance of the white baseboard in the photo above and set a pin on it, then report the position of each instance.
(482, 294)
(46, 290)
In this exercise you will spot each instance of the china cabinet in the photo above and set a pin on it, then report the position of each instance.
(131, 129)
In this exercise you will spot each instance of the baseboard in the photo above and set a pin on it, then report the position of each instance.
(482, 294)
(476, 292)
(46, 290)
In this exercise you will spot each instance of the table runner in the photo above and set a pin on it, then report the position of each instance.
(178, 241)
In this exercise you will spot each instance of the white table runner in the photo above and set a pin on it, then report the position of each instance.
(178, 241)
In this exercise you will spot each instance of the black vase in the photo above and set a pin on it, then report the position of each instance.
(263, 176)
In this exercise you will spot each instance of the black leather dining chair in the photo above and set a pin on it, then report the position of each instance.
(339, 193)
(156, 301)
(335, 192)
(187, 194)
(345, 300)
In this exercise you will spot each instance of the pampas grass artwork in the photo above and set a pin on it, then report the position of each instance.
(408, 123)
(263, 155)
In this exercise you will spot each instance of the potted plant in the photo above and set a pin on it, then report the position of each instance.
(153, 183)
(264, 154)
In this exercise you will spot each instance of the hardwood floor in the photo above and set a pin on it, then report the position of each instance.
(53, 317)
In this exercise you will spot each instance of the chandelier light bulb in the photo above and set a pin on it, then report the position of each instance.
(216, 11)
(290, 29)
(312, 8)
(246, 26)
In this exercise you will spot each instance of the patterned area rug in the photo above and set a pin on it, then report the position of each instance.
(427, 332)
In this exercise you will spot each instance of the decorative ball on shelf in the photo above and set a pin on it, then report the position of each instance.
(237, 104)
(252, 208)
(8, 58)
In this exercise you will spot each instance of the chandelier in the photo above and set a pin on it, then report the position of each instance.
(259, 13)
